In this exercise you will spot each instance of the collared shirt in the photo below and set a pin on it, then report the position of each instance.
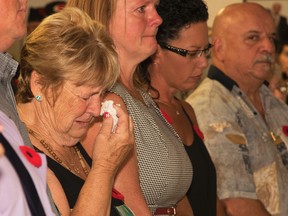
(8, 68)
(250, 153)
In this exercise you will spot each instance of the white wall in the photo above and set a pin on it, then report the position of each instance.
(215, 5)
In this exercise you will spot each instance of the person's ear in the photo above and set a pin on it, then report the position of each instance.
(35, 85)
(157, 55)
(218, 49)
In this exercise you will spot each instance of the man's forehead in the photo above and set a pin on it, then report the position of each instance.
(254, 23)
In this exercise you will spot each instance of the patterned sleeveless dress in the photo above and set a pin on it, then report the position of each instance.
(164, 167)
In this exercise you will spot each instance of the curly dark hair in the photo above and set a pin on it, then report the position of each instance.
(280, 46)
(176, 15)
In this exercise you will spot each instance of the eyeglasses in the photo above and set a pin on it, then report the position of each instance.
(184, 52)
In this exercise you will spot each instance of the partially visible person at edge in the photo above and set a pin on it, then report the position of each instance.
(177, 67)
(280, 22)
(22, 184)
(279, 82)
(245, 126)
(36, 15)
(164, 167)
(66, 65)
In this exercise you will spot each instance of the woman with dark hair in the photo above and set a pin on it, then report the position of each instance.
(176, 67)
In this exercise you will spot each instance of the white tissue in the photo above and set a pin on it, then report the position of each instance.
(107, 106)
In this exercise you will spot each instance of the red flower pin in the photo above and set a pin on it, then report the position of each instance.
(285, 130)
(31, 155)
(117, 195)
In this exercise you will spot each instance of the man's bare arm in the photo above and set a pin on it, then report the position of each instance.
(244, 207)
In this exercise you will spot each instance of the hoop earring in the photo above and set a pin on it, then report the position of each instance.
(38, 97)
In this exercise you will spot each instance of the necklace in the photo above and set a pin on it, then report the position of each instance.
(168, 105)
(75, 170)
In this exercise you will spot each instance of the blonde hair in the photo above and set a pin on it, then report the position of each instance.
(99, 10)
(68, 45)
(103, 11)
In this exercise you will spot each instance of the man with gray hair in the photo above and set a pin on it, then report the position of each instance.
(244, 125)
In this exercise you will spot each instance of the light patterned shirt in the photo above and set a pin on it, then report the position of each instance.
(250, 154)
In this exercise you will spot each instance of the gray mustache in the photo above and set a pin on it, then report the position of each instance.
(265, 59)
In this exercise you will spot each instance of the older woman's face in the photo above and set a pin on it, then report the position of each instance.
(133, 28)
(73, 111)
